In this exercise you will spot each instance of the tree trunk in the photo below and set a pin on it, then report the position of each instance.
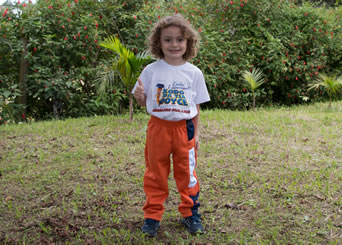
(329, 102)
(22, 99)
(131, 106)
(253, 102)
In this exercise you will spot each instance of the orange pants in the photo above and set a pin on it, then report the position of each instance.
(163, 139)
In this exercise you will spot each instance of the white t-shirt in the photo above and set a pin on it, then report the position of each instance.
(173, 92)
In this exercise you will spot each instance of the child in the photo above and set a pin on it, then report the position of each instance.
(172, 90)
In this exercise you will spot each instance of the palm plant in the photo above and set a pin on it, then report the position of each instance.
(330, 83)
(127, 65)
(253, 80)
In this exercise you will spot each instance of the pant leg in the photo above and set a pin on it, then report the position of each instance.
(157, 159)
(184, 164)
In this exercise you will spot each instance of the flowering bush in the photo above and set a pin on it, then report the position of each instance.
(291, 44)
(55, 44)
(58, 41)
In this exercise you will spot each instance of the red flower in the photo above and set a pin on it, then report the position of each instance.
(85, 28)
(83, 57)
(231, 2)
(24, 5)
(63, 27)
(5, 13)
(296, 78)
(199, 29)
(244, 90)
(78, 34)
(123, 3)
(23, 116)
(306, 14)
(69, 5)
(34, 49)
(50, 7)
(74, 37)
(65, 38)
(134, 17)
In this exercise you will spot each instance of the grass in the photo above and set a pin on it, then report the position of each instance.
(273, 176)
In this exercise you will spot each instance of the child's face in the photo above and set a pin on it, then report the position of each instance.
(173, 45)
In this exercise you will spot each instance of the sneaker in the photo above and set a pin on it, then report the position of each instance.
(150, 227)
(193, 223)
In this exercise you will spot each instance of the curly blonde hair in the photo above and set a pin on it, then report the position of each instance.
(188, 32)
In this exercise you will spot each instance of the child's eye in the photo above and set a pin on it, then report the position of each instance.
(180, 39)
(167, 40)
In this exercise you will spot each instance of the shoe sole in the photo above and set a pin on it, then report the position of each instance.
(151, 234)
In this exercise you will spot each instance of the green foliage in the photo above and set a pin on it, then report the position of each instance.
(126, 64)
(253, 80)
(58, 40)
(9, 110)
(63, 53)
(331, 84)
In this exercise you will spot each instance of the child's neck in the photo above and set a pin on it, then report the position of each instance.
(174, 62)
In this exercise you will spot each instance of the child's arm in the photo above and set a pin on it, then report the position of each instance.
(139, 93)
(196, 124)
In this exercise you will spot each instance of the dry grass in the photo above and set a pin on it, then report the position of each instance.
(269, 177)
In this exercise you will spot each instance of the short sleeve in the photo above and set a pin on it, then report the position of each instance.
(201, 90)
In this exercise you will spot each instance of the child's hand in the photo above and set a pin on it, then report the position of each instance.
(139, 93)
(197, 143)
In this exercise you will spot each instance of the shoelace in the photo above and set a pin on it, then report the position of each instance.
(196, 218)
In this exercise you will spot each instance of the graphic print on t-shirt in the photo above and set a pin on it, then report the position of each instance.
(171, 96)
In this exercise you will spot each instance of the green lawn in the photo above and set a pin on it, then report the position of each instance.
(273, 176)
